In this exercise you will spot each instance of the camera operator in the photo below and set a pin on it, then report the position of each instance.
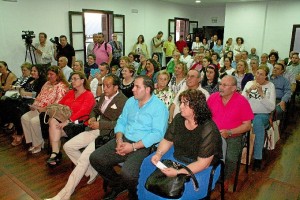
(43, 51)
(65, 49)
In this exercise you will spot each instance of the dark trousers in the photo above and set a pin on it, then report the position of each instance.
(105, 158)
(234, 147)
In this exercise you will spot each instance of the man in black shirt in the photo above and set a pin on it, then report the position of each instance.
(65, 49)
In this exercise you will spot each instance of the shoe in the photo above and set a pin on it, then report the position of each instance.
(256, 165)
(9, 128)
(112, 194)
(17, 140)
(92, 179)
(31, 148)
(36, 150)
(53, 161)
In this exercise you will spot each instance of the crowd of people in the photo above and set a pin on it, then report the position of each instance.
(205, 92)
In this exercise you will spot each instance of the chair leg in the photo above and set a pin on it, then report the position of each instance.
(248, 150)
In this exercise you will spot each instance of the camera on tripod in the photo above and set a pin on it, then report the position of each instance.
(55, 40)
(28, 36)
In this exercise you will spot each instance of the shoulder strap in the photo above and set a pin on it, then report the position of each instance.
(195, 182)
(105, 46)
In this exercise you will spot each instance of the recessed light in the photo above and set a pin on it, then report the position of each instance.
(197, 1)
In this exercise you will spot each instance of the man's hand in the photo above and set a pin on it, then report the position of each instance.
(124, 148)
(282, 105)
(94, 125)
(224, 133)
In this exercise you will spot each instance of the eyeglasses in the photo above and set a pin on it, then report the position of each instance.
(225, 85)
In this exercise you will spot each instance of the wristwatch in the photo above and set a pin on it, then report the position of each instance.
(133, 147)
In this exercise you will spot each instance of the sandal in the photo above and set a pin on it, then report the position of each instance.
(53, 161)
(17, 140)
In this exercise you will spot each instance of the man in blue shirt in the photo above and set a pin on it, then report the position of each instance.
(283, 89)
(142, 123)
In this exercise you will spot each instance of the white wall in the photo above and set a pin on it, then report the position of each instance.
(264, 25)
(51, 17)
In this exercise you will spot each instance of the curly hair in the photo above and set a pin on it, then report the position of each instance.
(197, 102)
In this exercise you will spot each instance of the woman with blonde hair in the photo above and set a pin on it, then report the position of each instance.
(162, 91)
(242, 75)
(178, 79)
(78, 66)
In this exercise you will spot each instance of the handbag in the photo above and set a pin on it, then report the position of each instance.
(244, 152)
(103, 139)
(170, 187)
(58, 111)
(72, 129)
(272, 136)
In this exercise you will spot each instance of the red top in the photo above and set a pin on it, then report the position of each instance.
(80, 106)
(180, 45)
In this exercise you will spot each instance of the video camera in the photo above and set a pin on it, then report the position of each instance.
(28, 36)
(55, 40)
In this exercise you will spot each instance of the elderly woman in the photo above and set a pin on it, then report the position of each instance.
(127, 83)
(7, 78)
(194, 136)
(28, 91)
(162, 91)
(52, 92)
(178, 79)
(151, 69)
(261, 96)
(242, 76)
(210, 80)
(81, 101)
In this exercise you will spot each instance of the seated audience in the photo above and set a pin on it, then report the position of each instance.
(178, 79)
(197, 62)
(81, 101)
(173, 62)
(151, 70)
(138, 128)
(193, 80)
(253, 54)
(102, 120)
(114, 69)
(162, 91)
(186, 57)
(155, 57)
(227, 69)
(132, 61)
(239, 46)
(52, 92)
(97, 80)
(127, 82)
(66, 70)
(210, 81)
(254, 64)
(261, 96)
(142, 66)
(78, 66)
(7, 78)
(218, 48)
(232, 114)
(124, 61)
(193, 127)
(282, 89)
(242, 76)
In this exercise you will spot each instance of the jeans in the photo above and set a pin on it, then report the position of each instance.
(260, 123)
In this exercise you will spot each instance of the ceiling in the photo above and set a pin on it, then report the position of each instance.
(212, 3)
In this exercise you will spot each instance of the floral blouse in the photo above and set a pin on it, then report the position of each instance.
(166, 95)
(50, 94)
(172, 84)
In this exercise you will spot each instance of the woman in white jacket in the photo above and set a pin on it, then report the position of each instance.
(261, 96)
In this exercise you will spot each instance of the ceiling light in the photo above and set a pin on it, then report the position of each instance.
(197, 1)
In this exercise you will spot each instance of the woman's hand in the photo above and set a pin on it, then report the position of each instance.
(62, 125)
(155, 159)
(171, 172)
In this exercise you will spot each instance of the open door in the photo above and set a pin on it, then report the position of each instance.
(119, 28)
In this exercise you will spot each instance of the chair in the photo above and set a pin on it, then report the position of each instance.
(207, 180)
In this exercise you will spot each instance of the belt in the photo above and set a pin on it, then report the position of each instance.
(236, 135)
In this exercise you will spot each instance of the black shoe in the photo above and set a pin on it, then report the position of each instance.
(257, 165)
(112, 195)
(54, 160)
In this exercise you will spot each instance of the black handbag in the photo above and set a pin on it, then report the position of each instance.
(72, 129)
(170, 187)
(103, 139)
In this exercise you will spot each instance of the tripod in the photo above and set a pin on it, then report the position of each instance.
(30, 49)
